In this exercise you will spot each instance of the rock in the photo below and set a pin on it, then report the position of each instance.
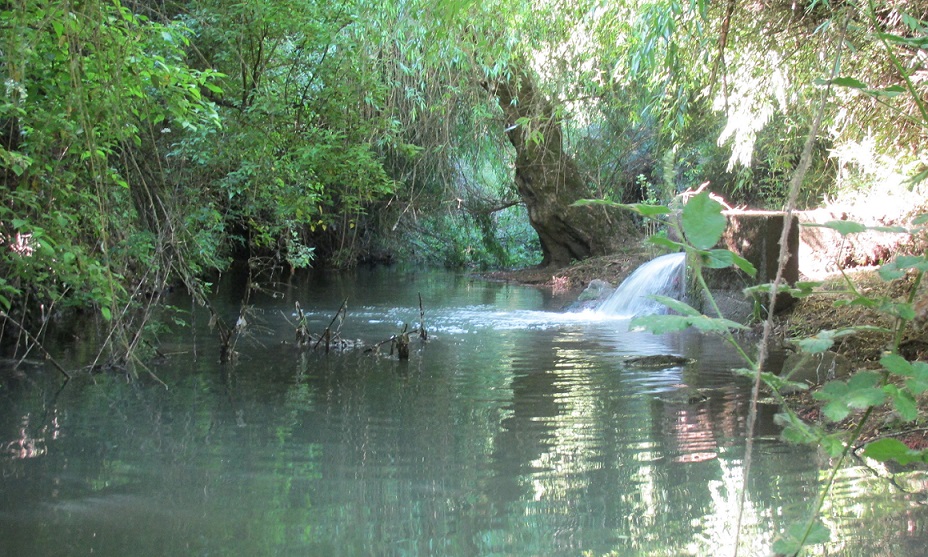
(597, 292)
(658, 361)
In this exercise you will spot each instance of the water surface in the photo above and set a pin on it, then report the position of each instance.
(515, 430)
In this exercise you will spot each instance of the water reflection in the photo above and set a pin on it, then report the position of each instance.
(513, 431)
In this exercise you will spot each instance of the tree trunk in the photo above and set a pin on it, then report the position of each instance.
(548, 181)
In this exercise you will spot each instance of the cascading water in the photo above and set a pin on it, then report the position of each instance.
(662, 275)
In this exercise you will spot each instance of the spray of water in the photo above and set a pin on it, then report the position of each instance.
(662, 275)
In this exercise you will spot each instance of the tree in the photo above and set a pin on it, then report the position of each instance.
(549, 182)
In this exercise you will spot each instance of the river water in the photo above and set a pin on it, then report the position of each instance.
(515, 430)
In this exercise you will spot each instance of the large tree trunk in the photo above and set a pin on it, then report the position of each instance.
(548, 181)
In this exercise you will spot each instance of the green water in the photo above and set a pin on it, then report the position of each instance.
(515, 430)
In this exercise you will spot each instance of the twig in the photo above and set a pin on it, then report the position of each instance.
(327, 334)
(36, 342)
(422, 333)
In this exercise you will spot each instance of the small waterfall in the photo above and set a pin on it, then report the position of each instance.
(662, 275)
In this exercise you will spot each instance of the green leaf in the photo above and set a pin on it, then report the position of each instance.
(843, 227)
(723, 258)
(676, 305)
(642, 209)
(886, 93)
(795, 538)
(718, 258)
(903, 401)
(859, 392)
(894, 363)
(660, 324)
(776, 382)
(744, 265)
(915, 372)
(888, 449)
(588, 202)
(703, 221)
(797, 431)
(665, 242)
(646, 210)
(897, 267)
(863, 390)
(818, 342)
(850, 82)
(716, 325)
(105, 311)
(801, 289)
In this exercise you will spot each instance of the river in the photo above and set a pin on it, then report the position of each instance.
(515, 429)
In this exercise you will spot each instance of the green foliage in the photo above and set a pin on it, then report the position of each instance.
(89, 87)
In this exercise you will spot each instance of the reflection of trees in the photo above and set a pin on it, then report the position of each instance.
(517, 442)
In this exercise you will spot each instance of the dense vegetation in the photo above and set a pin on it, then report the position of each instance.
(148, 143)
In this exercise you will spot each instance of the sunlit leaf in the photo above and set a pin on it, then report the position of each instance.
(703, 221)
(843, 227)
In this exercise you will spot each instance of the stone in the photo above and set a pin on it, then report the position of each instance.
(755, 236)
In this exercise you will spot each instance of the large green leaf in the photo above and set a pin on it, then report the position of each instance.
(665, 242)
(859, 392)
(659, 324)
(723, 258)
(916, 373)
(703, 221)
(884, 450)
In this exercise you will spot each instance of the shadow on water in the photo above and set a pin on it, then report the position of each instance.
(513, 431)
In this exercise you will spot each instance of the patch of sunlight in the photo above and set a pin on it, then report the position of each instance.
(718, 527)
(872, 186)
(757, 91)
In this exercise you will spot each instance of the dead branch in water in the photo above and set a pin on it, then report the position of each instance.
(35, 342)
(327, 333)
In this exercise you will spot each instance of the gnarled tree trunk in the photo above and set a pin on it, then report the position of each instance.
(548, 180)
